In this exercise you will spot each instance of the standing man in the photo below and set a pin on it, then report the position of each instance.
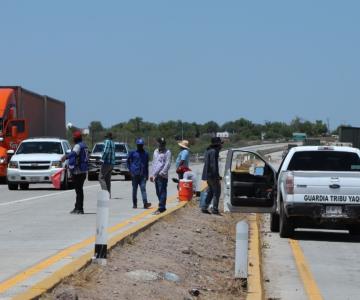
(160, 172)
(182, 161)
(211, 175)
(108, 163)
(78, 166)
(138, 164)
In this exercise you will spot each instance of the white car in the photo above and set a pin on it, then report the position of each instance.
(36, 160)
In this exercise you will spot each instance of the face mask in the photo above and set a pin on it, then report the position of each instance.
(140, 147)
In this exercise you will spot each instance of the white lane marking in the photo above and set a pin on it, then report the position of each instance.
(44, 196)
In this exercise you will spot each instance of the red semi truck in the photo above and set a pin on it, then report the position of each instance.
(25, 114)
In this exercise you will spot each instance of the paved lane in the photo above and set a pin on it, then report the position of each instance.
(330, 264)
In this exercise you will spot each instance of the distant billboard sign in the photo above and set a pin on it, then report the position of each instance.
(224, 135)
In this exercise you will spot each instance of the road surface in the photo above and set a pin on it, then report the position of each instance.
(315, 264)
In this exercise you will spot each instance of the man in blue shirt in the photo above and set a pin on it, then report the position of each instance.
(182, 161)
(138, 164)
(108, 163)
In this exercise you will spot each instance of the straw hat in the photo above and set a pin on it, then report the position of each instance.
(184, 144)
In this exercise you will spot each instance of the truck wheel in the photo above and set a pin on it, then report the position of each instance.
(92, 177)
(274, 222)
(286, 227)
(24, 186)
(354, 230)
(12, 186)
(65, 182)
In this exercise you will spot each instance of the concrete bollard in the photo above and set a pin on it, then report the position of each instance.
(197, 183)
(241, 251)
(102, 221)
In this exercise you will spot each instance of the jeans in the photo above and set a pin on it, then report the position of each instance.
(105, 177)
(161, 191)
(78, 180)
(139, 180)
(213, 194)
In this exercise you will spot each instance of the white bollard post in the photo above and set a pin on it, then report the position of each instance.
(197, 183)
(241, 251)
(102, 220)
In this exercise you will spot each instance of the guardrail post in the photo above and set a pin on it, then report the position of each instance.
(102, 220)
(241, 251)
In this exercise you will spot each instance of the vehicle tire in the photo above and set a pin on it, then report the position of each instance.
(12, 186)
(24, 186)
(127, 177)
(3, 180)
(286, 228)
(65, 182)
(354, 229)
(274, 222)
(93, 177)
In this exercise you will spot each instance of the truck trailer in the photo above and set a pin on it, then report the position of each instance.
(25, 114)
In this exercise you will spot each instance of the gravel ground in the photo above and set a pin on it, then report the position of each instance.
(196, 248)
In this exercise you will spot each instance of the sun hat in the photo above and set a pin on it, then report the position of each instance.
(184, 144)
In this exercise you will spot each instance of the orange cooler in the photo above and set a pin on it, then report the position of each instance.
(185, 190)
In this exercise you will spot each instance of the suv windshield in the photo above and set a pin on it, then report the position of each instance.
(40, 147)
(325, 161)
(119, 148)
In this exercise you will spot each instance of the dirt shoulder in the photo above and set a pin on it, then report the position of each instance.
(197, 248)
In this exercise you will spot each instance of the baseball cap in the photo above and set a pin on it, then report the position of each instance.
(77, 134)
(140, 141)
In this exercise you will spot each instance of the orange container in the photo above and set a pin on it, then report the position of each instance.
(185, 190)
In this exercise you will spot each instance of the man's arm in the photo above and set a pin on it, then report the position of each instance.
(106, 150)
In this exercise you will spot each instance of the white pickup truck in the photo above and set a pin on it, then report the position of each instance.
(315, 187)
(318, 187)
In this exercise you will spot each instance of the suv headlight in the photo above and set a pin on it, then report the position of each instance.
(13, 165)
(56, 164)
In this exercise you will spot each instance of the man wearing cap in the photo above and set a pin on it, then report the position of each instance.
(212, 176)
(182, 161)
(108, 163)
(138, 164)
(160, 172)
(78, 166)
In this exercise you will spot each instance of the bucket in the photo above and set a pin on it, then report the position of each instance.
(185, 190)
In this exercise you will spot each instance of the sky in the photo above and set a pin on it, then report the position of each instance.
(187, 60)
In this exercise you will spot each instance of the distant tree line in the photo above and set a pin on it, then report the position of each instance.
(241, 131)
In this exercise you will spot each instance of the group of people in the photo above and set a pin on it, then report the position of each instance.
(138, 164)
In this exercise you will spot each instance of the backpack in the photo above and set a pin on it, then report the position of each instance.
(82, 160)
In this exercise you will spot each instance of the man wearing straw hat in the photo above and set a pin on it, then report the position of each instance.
(182, 161)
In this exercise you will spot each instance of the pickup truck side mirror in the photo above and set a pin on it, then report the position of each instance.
(68, 151)
(10, 152)
(14, 131)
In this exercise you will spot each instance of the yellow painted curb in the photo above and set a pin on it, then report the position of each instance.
(79, 263)
(255, 288)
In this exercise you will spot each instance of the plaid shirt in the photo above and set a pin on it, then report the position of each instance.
(161, 163)
(108, 155)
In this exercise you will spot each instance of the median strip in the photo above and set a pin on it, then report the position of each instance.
(144, 220)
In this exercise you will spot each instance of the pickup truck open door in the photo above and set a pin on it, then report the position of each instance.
(249, 183)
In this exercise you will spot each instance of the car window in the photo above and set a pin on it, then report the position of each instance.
(40, 147)
(98, 148)
(65, 146)
(243, 162)
(324, 161)
(120, 148)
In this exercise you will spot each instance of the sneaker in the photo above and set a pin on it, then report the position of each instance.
(147, 205)
(175, 180)
(205, 211)
(134, 206)
(215, 212)
(158, 212)
(77, 211)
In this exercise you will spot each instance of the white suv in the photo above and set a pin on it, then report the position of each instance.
(36, 160)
